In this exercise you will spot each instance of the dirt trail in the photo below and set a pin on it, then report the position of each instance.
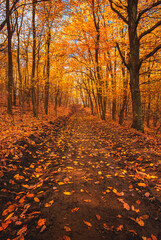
(99, 181)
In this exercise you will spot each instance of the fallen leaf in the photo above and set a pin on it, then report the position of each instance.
(126, 206)
(147, 194)
(22, 199)
(140, 221)
(153, 237)
(87, 223)
(107, 191)
(36, 199)
(17, 177)
(5, 225)
(114, 190)
(134, 209)
(22, 231)
(132, 231)
(98, 217)
(67, 229)
(75, 209)
(49, 203)
(9, 209)
(30, 195)
(25, 185)
(18, 223)
(9, 216)
(61, 183)
(43, 228)
(67, 193)
(41, 222)
(142, 184)
(120, 228)
(139, 158)
(106, 227)
(144, 217)
(138, 202)
(87, 200)
(66, 238)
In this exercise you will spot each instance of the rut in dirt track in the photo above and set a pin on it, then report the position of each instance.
(95, 187)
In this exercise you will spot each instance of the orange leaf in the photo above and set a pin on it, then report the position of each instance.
(5, 224)
(140, 222)
(68, 229)
(75, 209)
(87, 200)
(66, 238)
(120, 228)
(49, 203)
(98, 217)
(142, 184)
(41, 222)
(87, 223)
(9, 209)
(22, 231)
(36, 199)
(22, 200)
(9, 216)
(153, 237)
(30, 195)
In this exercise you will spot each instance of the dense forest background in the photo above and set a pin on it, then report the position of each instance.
(102, 54)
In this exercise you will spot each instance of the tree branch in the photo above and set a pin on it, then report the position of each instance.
(14, 8)
(147, 9)
(118, 13)
(149, 30)
(121, 55)
(149, 55)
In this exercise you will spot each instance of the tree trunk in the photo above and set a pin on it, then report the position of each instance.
(10, 66)
(134, 66)
(33, 58)
(19, 68)
(48, 73)
(124, 103)
(114, 91)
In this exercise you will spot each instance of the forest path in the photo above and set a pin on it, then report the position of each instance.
(93, 181)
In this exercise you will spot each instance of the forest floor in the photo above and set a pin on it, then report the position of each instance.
(81, 178)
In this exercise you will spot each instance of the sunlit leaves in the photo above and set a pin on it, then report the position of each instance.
(49, 203)
(87, 223)
(67, 193)
(41, 222)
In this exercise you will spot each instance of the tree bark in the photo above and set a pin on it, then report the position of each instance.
(10, 64)
(34, 58)
(134, 66)
(48, 72)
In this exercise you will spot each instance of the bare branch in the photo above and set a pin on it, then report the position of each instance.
(14, 8)
(121, 55)
(147, 9)
(149, 55)
(149, 30)
(118, 13)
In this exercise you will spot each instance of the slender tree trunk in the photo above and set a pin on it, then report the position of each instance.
(19, 68)
(34, 58)
(10, 66)
(124, 103)
(114, 91)
(48, 73)
(14, 89)
(149, 103)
